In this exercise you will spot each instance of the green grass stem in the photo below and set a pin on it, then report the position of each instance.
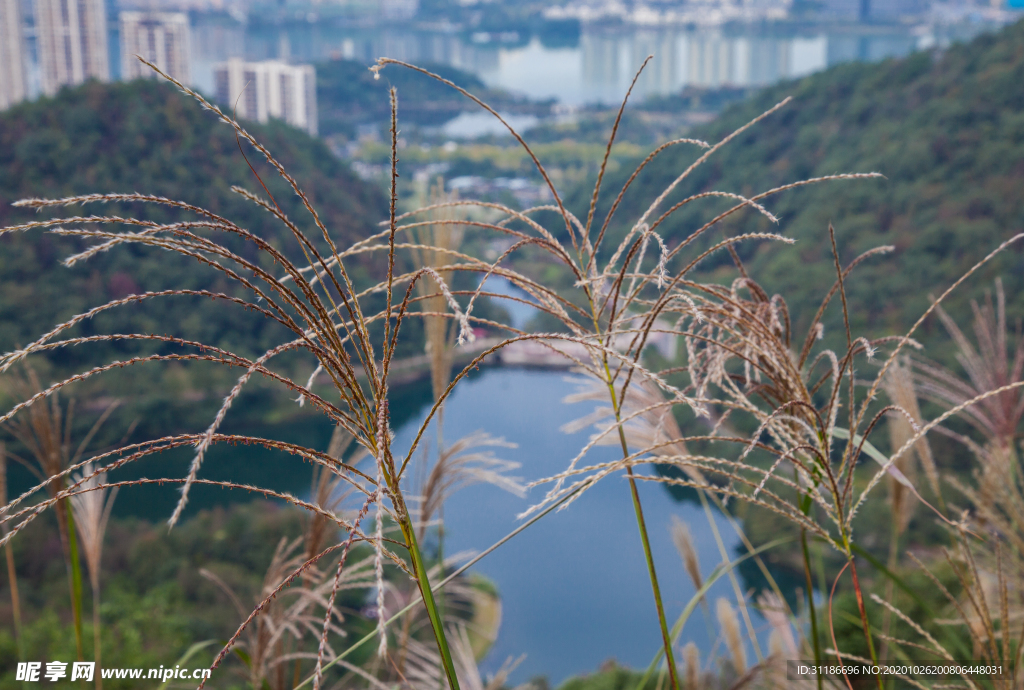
(76, 581)
(720, 570)
(812, 613)
(427, 593)
(644, 539)
(455, 573)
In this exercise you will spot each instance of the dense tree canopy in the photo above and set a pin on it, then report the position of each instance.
(146, 137)
(945, 128)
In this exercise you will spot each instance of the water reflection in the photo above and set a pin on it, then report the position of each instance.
(574, 586)
(598, 68)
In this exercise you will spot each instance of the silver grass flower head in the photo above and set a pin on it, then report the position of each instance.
(683, 540)
(691, 657)
(774, 611)
(730, 627)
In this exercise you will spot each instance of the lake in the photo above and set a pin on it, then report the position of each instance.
(574, 586)
(595, 67)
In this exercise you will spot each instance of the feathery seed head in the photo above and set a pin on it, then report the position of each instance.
(684, 545)
(730, 630)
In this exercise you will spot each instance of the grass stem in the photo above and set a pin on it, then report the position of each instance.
(810, 604)
(864, 618)
(428, 601)
(642, 525)
(97, 639)
(12, 573)
(451, 576)
(76, 581)
(12, 577)
(741, 602)
(673, 675)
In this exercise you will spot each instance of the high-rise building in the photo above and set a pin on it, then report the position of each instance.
(400, 10)
(262, 90)
(72, 40)
(12, 68)
(161, 38)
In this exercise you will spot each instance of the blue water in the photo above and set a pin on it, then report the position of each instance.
(574, 586)
(596, 68)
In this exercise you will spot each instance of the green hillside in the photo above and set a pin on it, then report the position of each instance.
(947, 131)
(147, 137)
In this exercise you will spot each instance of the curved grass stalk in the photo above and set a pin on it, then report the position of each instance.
(720, 570)
(12, 573)
(812, 612)
(436, 588)
(76, 582)
(737, 592)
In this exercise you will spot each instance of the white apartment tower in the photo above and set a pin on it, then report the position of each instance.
(72, 37)
(161, 38)
(12, 69)
(263, 90)
(400, 10)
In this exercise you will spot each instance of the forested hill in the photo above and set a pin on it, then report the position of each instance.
(945, 128)
(145, 136)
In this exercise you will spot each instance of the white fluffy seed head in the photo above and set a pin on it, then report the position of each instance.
(730, 625)
(683, 541)
(691, 657)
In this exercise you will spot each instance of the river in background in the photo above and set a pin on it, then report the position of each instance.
(574, 586)
(594, 66)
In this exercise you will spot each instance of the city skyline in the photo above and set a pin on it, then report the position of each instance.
(270, 88)
(12, 68)
(45, 44)
(162, 38)
(72, 42)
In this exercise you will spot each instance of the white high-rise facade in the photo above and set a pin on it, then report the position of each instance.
(262, 90)
(161, 38)
(12, 47)
(72, 39)
(398, 9)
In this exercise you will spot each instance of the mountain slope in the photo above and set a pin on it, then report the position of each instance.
(946, 130)
(147, 137)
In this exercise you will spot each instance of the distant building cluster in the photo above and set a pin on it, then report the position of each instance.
(398, 10)
(72, 46)
(160, 38)
(262, 90)
(12, 71)
(704, 12)
(47, 44)
(72, 42)
(719, 12)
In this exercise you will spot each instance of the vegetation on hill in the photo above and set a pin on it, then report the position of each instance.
(945, 128)
(145, 136)
(158, 601)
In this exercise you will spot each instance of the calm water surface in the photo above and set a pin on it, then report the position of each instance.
(574, 585)
(595, 68)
